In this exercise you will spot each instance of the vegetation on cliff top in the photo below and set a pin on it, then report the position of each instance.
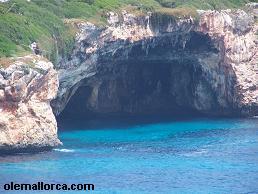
(22, 22)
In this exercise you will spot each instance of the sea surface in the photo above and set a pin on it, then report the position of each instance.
(146, 156)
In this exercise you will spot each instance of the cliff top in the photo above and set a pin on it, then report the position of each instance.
(23, 22)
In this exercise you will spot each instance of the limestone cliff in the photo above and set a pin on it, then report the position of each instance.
(27, 122)
(162, 64)
(237, 33)
(147, 64)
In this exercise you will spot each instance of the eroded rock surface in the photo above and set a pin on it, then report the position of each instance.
(156, 64)
(149, 64)
(27, 122)
(237, 31)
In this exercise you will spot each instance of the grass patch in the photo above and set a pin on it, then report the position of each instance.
(177, 12)
(27, 22)
(204, 4)
(5, 62)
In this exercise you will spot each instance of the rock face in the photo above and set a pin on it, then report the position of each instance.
(158, 64)
(135, 65)
(27, 122)
(239, 46)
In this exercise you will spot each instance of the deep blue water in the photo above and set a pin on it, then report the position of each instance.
(184, 156)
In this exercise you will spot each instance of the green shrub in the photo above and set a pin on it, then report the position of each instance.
(204, 4)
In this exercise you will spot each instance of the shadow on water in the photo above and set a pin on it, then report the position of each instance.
(117, 121)
(26, 157)
(125, 121)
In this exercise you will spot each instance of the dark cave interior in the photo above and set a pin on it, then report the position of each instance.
(164, 82)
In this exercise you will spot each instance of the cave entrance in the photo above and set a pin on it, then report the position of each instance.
(162, 80)
(137, 88)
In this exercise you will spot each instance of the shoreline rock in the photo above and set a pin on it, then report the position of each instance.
(26, 119)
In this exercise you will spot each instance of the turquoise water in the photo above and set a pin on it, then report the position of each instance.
(184, 156)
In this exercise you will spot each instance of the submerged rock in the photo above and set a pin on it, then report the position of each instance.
(27, 122)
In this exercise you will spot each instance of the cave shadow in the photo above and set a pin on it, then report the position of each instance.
(98, 121)
(76, 116)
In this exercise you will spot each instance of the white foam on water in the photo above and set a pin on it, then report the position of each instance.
(196, 153)
(64, 150)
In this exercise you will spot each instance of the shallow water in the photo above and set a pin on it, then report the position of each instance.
(184, 156)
